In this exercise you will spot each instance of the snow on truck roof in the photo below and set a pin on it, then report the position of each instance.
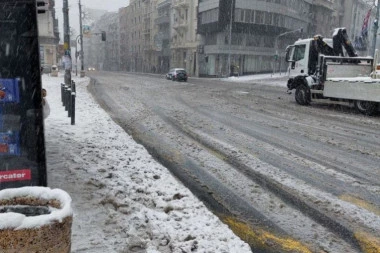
(303, 41)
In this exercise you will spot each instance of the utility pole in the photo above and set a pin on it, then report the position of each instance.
(81, 41)
(66, 45)
(375, 28)
(230, 35)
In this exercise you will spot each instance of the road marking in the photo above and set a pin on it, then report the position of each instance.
(361, 203)
(368, 242)
(260, 239)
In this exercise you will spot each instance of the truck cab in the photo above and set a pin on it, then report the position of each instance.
(302, 57)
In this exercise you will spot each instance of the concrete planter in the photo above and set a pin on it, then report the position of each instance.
(35, 219)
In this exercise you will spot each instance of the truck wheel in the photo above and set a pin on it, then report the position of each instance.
(366, 107)
(302, 95)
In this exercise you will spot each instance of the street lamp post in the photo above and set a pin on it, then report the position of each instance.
(81, 41)
(76, 55)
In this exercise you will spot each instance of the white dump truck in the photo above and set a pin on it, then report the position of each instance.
(319, 71)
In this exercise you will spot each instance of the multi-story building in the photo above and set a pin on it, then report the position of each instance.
(48, 34)
(244, 35)
(149, 30)
(240, 36)
(184, 39)
(136, 36)
(162, 36)
(250, 36)
(324, 18)
(124, 39)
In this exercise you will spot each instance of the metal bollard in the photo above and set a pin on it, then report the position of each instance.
(73, 108)
(64, 96)
(62, 91)
(67, 99)
(73, 88)
(69, 102)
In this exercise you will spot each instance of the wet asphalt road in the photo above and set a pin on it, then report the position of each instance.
(284, 177)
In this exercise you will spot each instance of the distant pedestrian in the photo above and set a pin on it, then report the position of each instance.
(45, 104)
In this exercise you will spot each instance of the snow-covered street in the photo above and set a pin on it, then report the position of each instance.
(123, 200)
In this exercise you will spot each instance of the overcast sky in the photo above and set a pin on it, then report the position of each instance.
(109, 5)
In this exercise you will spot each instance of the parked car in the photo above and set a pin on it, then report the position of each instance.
(177, 74)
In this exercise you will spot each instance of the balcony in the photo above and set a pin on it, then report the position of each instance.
(180, 24)
(178, 4)
(162, 20)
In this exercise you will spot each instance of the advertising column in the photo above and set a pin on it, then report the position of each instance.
(22, 145)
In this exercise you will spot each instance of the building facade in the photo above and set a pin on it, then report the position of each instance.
(242, 36)
(136, 36)
(48, 35)
(184, 38)
(162, 38)
(220, 37)
(124, 44)
(247, 37)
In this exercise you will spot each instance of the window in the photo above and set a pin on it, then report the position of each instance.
(259, 17)
(299, 52)
(276, 19)
(248, 16)
(268, 18)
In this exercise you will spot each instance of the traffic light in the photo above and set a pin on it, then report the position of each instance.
(104, 36)
(42, 6)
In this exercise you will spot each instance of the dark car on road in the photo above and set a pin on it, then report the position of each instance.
(177, 74)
